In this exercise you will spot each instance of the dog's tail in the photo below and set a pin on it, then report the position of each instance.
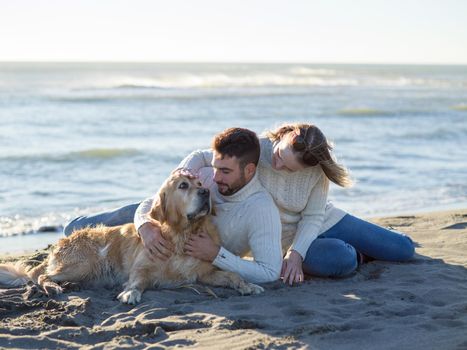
(13, 275)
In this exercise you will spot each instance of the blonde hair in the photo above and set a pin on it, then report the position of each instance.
(317, 150)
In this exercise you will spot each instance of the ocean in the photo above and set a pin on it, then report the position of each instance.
(77, 138)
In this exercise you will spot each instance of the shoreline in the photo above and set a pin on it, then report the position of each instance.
(364, 310)
(34, 241)
(423, 211)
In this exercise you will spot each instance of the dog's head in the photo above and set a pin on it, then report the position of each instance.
(181, 201)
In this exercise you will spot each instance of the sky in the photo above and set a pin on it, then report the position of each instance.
(308, 31)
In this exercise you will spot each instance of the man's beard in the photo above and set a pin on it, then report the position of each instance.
(227, 190)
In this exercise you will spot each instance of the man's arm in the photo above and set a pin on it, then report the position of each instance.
(262, 227)
(150, 233)
(141, 214)
(263, 224)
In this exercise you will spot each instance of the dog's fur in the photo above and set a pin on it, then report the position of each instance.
(117, 255)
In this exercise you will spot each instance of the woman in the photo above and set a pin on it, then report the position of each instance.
(296, 166)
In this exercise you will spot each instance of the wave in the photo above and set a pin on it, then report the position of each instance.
(92, 153)
(234, 83)
(148, 95)
(19, 225)
(374, 112)
(104, 153)
(312, 71)
(296, 77)
(460, 107)
(286, 77)
(362, 112)
(81, 99)
(139, 87)
(441, 133)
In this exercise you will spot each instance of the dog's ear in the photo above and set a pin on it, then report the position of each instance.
(159, 208)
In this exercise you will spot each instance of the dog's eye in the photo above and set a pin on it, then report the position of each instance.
(199, 184)
(183, 186)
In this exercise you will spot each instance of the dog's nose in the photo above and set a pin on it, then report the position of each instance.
(203, 192)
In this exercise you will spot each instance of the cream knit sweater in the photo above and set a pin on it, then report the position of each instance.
(248, 222)
(300, 196)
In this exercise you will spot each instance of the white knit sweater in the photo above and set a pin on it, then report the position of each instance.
(300, 196)
(247, 221)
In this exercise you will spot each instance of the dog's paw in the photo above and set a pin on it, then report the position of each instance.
(52, 288)
(250, 288)
(131, 296)
(71, 287)
(255, 289)
(33, 291)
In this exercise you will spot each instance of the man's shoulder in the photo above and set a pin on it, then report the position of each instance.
(261, 209)
(262, 197)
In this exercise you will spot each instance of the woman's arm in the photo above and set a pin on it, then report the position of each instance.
(307, 231)
(197, 160)
(312, 217)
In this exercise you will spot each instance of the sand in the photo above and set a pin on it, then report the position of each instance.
(416, 305)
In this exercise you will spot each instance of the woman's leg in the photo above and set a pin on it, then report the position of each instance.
(115, 217)
(330, 257)
(372, 240)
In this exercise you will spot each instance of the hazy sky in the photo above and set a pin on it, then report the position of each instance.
(363, 31)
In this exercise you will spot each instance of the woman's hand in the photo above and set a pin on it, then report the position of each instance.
(292, 271)
(155, 244)
(189, 173)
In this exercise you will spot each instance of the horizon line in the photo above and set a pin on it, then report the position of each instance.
(241, 62)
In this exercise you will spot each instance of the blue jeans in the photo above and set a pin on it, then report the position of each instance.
(334, 252)
(120, 216)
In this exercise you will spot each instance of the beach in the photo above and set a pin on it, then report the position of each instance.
(80, 138)
(417, 305)
(95, 119)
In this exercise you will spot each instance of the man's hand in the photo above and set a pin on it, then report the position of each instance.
(155, 244)
(292, 271)
(202, 246)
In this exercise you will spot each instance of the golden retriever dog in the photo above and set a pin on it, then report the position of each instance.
(110, 255)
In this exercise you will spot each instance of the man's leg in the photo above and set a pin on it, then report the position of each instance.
(372, 240)
(120, 216)
(330, 257)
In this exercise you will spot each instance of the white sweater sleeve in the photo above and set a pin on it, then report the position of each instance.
(312, 217)
(141, 214)
(264, 236)
(197, 160)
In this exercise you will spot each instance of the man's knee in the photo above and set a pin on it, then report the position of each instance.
(73, 225)
(406, 248)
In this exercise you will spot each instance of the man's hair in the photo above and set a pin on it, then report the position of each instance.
(238, 142)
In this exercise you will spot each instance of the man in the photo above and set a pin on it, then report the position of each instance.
(246, 216)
